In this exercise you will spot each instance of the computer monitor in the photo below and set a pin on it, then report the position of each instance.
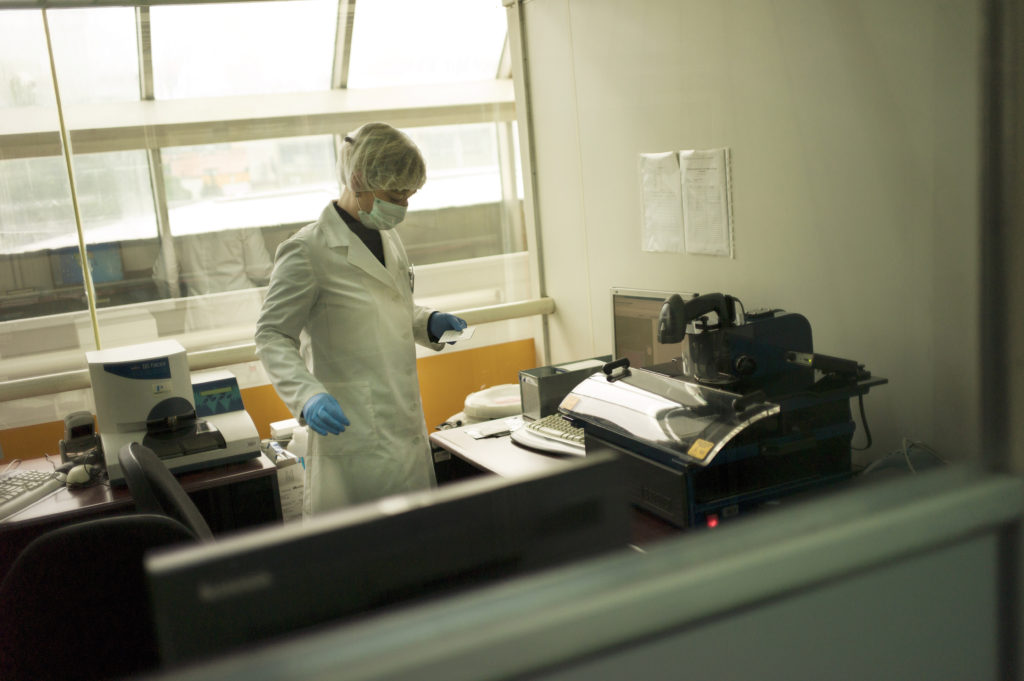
(875, 582)
(104, 262)
(248, 588)
(635, 315)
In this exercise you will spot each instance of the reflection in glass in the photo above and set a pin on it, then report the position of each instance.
(248, 196)
(248, 184)
(462, 165)
(214, 262)
(94, 50)
(24, 65)
(35, 201)
(242, 48)
(96, 54)
(39, 239)
(461, 213)
(35, 204)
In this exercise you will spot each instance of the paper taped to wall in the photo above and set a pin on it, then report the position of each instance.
(686, 202)
(662, 204)
(707, 208)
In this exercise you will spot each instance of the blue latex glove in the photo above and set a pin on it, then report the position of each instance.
(324, 415)
(441, 322)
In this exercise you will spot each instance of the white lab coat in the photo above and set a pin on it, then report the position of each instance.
(215, 263)
(212, 262)
(362, 325)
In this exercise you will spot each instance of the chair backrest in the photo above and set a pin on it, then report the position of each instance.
(155, 489)
(75, 603)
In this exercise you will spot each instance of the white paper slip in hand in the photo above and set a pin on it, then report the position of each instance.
(451, 335)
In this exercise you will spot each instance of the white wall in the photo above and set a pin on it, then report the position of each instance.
(854, 131)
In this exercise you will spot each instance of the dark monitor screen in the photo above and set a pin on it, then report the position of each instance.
(219, 396)
(104, 263)
(635, 315)
(353, 562)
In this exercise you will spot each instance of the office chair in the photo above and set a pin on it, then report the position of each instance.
(75, 603)
(155, 489)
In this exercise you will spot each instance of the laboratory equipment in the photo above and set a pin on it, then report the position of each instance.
(738, 419)
(144, 393)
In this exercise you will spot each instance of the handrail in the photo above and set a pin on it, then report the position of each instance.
(37, 386)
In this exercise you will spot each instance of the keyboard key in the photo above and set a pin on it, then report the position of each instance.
(21, 489)
(552, 434)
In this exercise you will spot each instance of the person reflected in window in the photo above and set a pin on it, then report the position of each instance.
(215, 263)
(344, 285)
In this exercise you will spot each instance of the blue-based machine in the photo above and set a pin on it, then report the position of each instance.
(747, 413)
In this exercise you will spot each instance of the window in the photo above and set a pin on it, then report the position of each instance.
(242, 48)
(94, 49)
(411, 42)
(238, 185)
(202, 124)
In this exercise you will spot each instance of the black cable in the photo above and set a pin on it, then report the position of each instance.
(863, 420)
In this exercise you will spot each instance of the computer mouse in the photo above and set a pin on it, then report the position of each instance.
(79, 475)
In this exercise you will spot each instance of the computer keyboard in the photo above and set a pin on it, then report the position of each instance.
(551, 434)
(23, 488)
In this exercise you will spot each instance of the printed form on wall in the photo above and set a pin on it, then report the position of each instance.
(662, 203)
(687, 205)
(707, 208)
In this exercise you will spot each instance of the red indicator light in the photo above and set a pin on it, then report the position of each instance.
(712, 520)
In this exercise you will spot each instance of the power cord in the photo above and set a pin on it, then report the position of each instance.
(907, 447)
(91, 459)
(864, 421)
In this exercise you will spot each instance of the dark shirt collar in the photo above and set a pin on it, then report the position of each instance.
(370, 237)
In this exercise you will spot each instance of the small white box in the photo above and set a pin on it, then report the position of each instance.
(282, 430)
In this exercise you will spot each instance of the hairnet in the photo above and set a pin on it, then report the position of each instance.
(378, 156)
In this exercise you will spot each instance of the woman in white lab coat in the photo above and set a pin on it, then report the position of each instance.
(344, 283)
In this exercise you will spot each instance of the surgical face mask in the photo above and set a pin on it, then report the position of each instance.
(383, 215)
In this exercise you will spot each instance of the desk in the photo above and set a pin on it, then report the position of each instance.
(230, 497)
(497, 455)
(501, 456)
